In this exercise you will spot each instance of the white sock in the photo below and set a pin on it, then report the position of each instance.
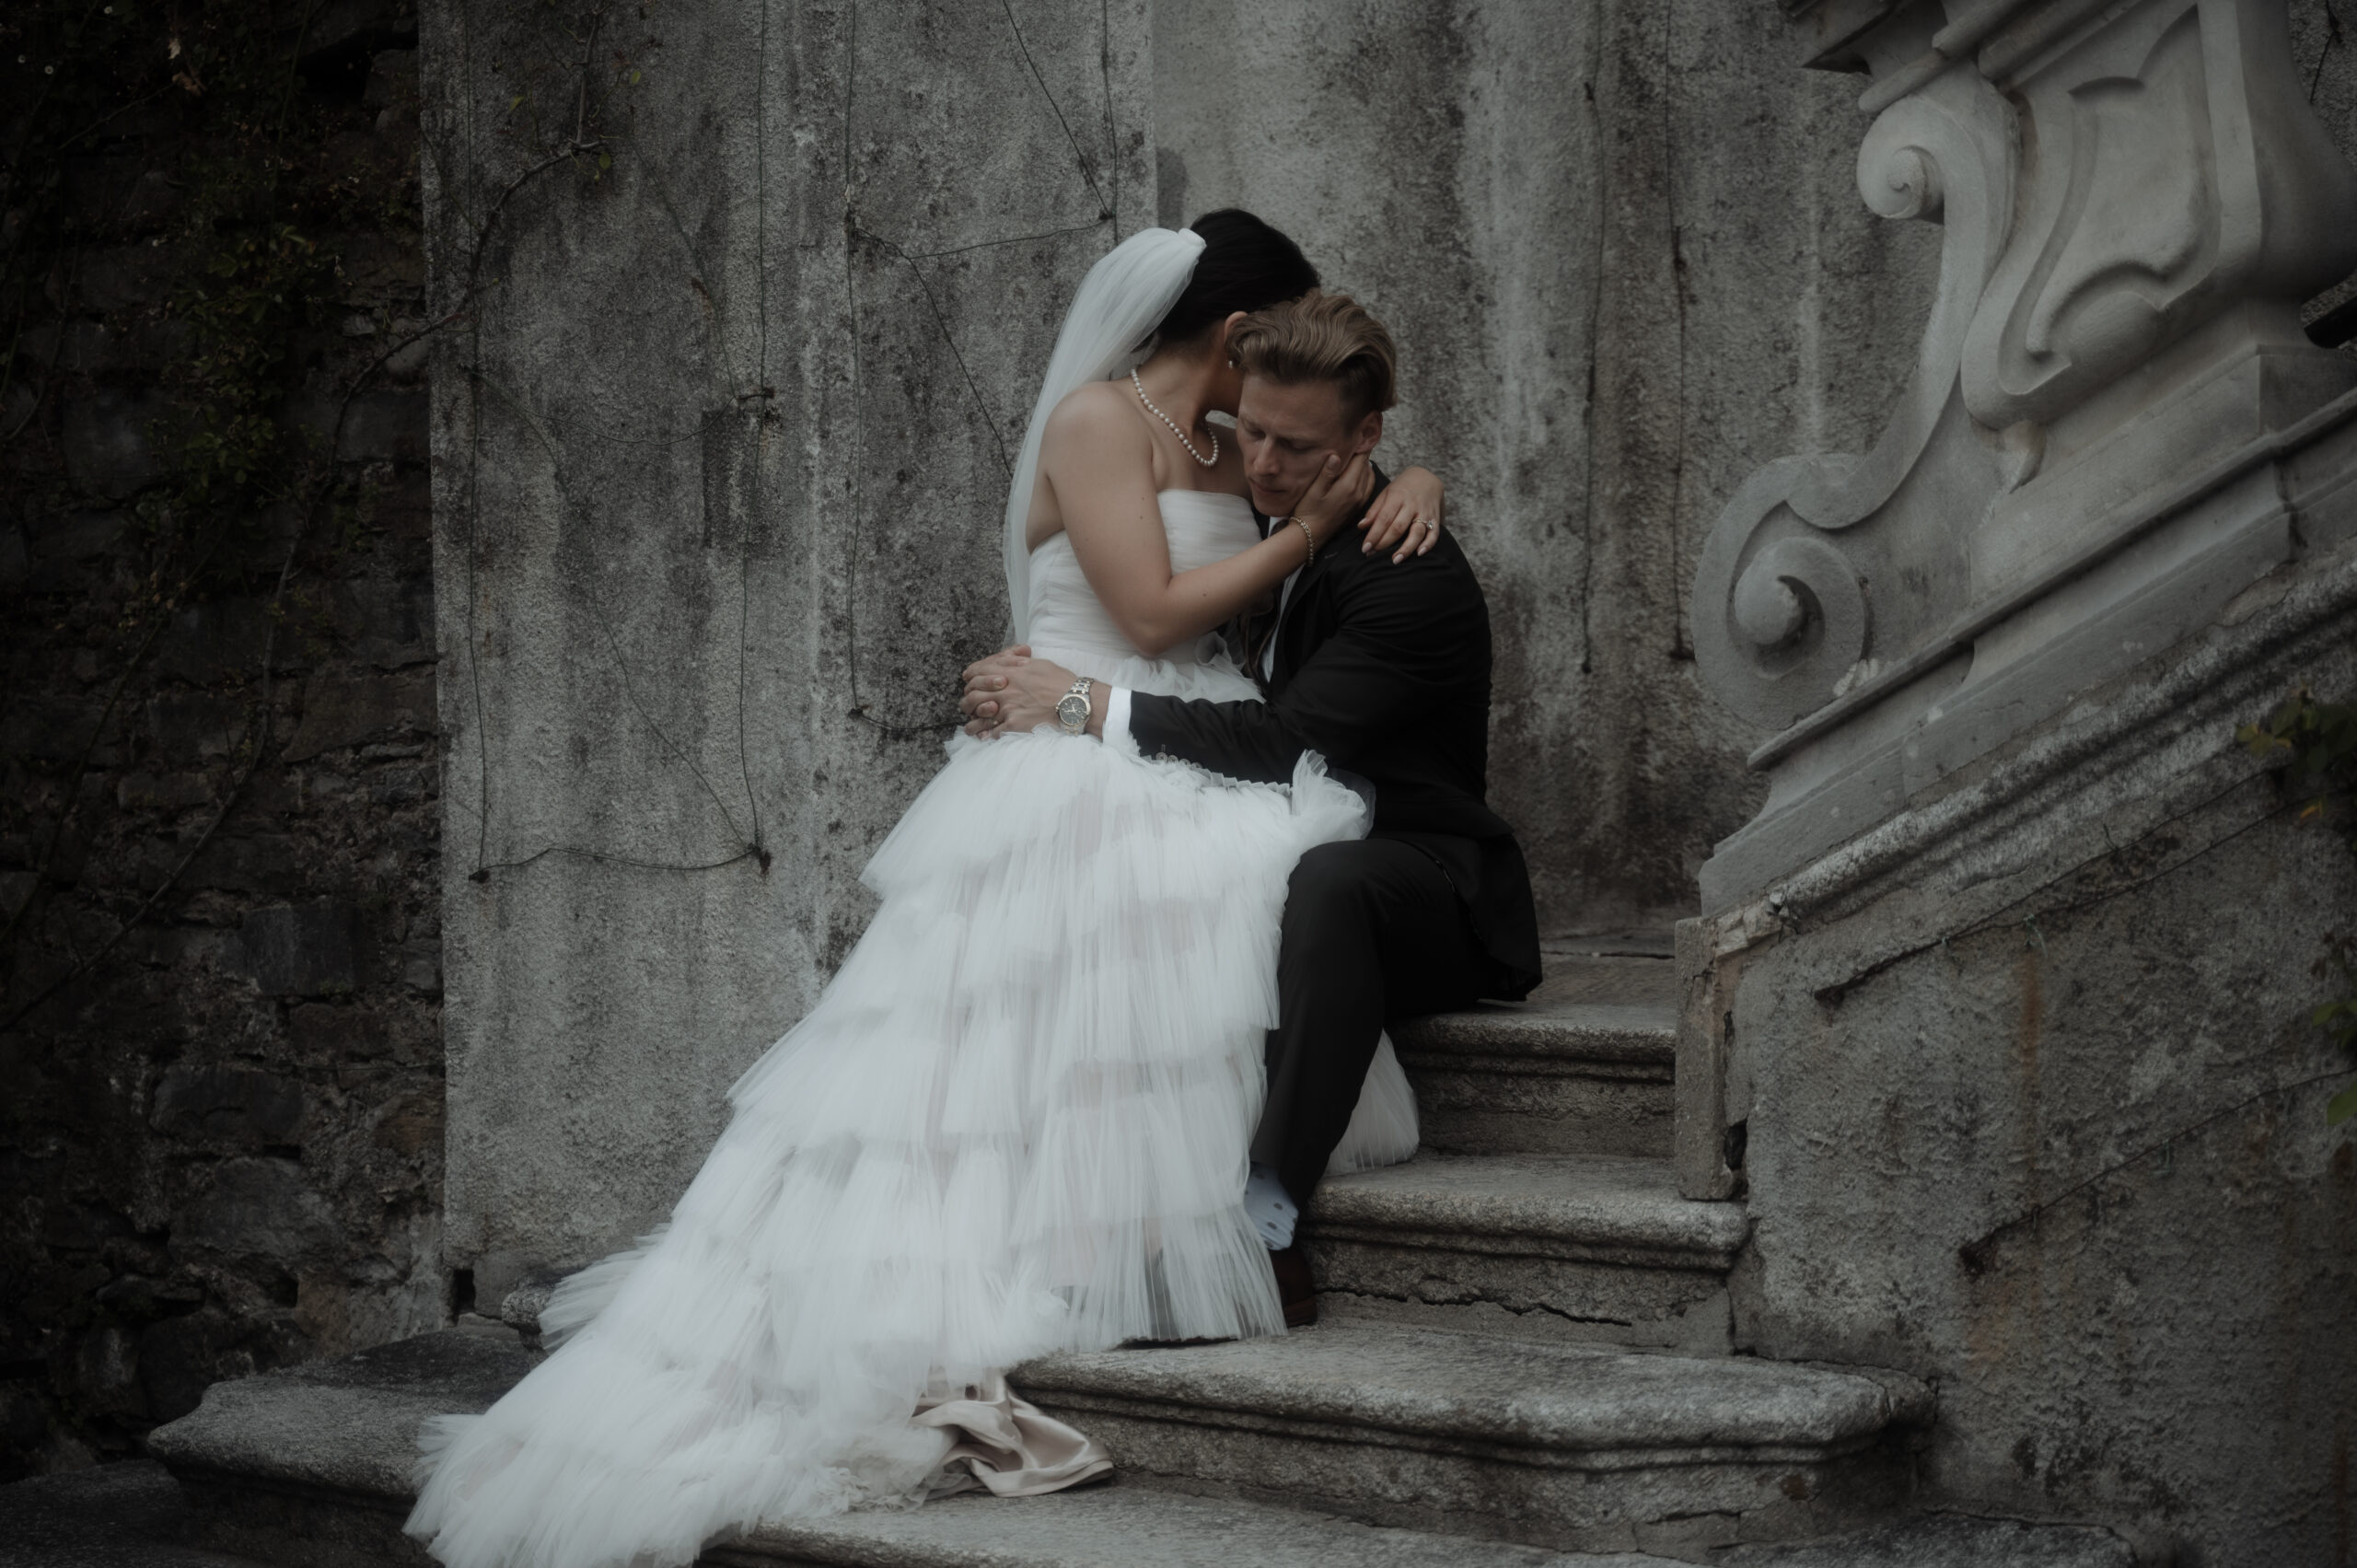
(1271, 1212)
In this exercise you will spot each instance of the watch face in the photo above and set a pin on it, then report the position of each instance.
(1072, 711)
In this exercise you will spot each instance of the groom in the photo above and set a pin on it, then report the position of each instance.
(1382, 669)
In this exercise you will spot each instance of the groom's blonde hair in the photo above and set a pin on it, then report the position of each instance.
(1322, 337)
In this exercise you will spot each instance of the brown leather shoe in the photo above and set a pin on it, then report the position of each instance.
(1295, 1287)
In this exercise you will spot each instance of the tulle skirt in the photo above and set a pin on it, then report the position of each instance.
(1017, 1121)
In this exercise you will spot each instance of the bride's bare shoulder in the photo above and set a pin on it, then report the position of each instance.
(1096, 415)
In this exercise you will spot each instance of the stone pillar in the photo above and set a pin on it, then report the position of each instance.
(747, 306)
(2089, 461)
(2000, 1012)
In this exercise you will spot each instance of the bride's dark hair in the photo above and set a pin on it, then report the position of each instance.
(1246, 265)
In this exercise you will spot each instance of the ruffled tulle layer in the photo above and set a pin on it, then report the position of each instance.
(1017, 1121)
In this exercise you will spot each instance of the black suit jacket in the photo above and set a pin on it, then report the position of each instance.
(1385, 670)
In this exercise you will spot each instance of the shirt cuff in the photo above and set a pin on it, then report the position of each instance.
(1117, 714)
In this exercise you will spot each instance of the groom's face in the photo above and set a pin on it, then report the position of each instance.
(1287, 429)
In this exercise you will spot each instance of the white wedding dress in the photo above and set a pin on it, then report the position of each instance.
(1017, 1121)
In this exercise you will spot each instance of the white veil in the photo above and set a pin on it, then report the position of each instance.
(1124, 298)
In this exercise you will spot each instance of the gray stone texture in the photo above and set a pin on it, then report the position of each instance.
(348, 1425)
(2035, 1107)
(1606, 1208)
(1592, 1247)
(1453, 1388)
(122, 1516)
(1582, 1066)
(258, 1208)
(315, 1465)
(2114, 426)
(2000, 1020)
(1948, 1541)
(1136, 1525)
(1562, 1444)
(717, 503)
(310, 1467)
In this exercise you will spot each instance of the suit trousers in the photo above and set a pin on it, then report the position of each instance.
(1373, 930)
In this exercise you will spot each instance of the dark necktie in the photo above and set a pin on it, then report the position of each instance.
(1255, 629)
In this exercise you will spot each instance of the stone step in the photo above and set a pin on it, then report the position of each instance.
(310, 1464)
(132, 1514)
(1574, 1447)
(1591, 1247)
(128, 1515)
(310, 1467)
(1947, 1540)
(1135, 1526)
(1141, 1527)
(1583, 1065)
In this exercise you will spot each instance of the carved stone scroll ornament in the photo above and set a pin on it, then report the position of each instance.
(1780, 609)
(2131, 229)
(2179, 176)
(2115, 422)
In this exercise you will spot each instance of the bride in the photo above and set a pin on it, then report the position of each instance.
(1017, 1121)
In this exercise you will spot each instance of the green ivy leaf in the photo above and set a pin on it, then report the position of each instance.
(2341, 1106)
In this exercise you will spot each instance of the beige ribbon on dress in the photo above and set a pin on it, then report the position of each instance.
(1006, 1445)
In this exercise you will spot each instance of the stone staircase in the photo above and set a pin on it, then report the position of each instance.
(1585, 1065)
(1524, 1358)
(1493, 1313)
(1543, 1205)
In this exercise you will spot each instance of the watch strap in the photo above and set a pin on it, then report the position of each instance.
(1080, 689)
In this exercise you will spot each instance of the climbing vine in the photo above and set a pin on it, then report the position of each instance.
(210, 487)
(243, 205)
(2312, 746)
(221, 266)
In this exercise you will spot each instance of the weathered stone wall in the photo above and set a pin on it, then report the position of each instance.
(758, 301)
(2023, 1086)
(2037, 1114)
(1623, 248)
(746, 347)
(220, 1139)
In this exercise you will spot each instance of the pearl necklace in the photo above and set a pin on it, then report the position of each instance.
(1174, 426)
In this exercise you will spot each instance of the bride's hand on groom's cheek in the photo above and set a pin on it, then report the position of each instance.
(1339, 489)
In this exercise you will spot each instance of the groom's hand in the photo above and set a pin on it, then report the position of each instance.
(1010, 690)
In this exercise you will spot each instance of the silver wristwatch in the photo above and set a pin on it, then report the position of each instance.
(1072, 708)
